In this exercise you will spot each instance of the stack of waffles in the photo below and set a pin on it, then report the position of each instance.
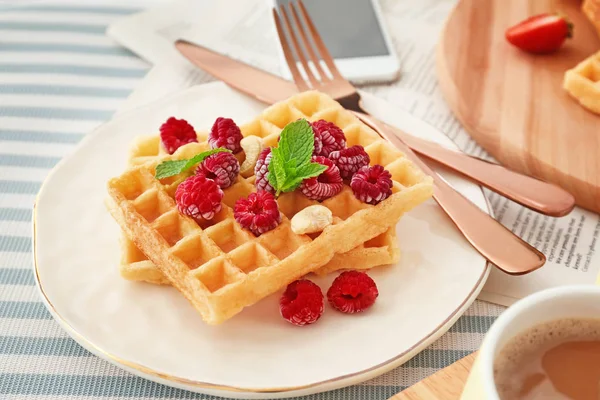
(221, 267)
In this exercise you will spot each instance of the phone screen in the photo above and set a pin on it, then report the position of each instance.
(349, 28)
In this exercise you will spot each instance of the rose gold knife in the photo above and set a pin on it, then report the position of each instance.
(537, 195)
(509, 253)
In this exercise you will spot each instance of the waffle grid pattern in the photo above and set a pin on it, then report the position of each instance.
(222, 268)
(583, 82)
(135, 266)
(40, 361)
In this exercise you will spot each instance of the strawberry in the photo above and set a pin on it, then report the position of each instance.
(540, 34)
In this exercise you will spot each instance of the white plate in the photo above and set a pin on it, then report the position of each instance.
(154, 333)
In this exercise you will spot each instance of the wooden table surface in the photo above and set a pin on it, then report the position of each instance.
(513, 103)
(446, 384)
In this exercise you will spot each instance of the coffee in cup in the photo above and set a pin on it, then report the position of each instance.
(558, 359)
(571, 313)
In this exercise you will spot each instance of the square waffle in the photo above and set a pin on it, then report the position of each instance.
(135, 266)
(220, 267)
(583, 82)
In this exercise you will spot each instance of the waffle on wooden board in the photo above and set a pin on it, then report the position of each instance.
(222, 268)
(583, 82)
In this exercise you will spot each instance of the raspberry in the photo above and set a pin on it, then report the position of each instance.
(259, 212)
(352, 292)
(199, 197)
(331, 136)
(175, 133)
(301, 303)
(350, 160)
(261, 171)
(372, 184)
(223, 168)
(318, 148)
(225, 133)
(326, 185)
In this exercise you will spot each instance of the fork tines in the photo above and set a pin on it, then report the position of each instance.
(302, 43)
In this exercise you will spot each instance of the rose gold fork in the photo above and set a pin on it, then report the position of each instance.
(530, 192)
(496, 243)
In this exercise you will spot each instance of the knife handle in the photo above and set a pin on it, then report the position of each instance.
(532, 193)
(490, 238)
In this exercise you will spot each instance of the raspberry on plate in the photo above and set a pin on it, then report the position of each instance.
(225, 133)
(222, 167)
(350, 160)
(326, 185)
(199, 197)
(259, 212)
(332, 137)
(261, 171)
(352, 292)
(372, 184)
(301, 303)
(174, 133)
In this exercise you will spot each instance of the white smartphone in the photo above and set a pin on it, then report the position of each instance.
(356, 37)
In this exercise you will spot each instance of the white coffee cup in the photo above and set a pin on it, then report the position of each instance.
(579, 301)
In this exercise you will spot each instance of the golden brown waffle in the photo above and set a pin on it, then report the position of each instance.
(382, 250)
(135, 265)
(220, 267)
(591, 9)
(583, 83)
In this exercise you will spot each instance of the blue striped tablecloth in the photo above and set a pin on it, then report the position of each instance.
(60, 77)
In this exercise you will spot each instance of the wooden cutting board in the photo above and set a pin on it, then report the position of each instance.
(446, 384)
(512, 103)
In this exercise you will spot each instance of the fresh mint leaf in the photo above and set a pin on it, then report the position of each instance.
(290, 167)
(272, 178)
(311, 170)
(293, 184)
(175, 167)
(305, 171)
(169, 168)
(277, 170)
(291, 160)
(297, 142)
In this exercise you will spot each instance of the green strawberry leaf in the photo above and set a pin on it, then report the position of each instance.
(175, 167)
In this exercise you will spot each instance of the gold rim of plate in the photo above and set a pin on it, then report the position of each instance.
(126, 364)
(206, 385)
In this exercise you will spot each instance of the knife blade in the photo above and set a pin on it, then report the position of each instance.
(262, 85)
(268, 88)
(256, 83)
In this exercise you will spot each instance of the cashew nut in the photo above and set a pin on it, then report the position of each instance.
(312, 219)
(252, 146)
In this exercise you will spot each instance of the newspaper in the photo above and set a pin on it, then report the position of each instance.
(570, 243)
(241, 29)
